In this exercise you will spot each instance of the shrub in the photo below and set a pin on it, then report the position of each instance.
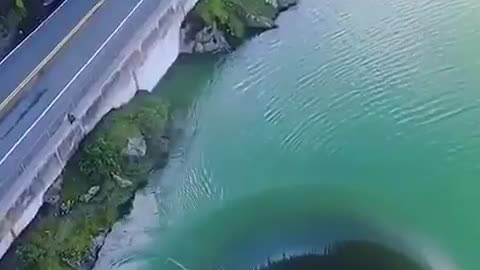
(100, 159)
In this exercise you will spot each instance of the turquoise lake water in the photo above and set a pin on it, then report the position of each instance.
(352, 120)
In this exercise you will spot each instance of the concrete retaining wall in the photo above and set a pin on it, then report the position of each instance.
(144, 58)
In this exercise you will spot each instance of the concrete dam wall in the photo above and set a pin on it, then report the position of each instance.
(134, 57)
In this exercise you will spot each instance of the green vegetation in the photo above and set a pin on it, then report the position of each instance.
(62, 239)
(237, 16)
(19, 4)
(20, 8)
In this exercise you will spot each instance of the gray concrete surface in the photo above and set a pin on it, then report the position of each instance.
(18, 64)
(59, 71)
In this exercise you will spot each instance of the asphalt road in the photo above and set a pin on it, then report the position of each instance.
(59, 72)
(27, 56)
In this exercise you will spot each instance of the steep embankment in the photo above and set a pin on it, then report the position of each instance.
(222, 25)
(97, 186)
(18, 18)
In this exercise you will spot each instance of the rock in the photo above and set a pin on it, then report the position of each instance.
(186, 43)
(260, 22)
(210, 40)
(47, 3)
(286, 4)
(205, 35)
(123, 183)
(52, 199)
(159, 150)
(198, 47)
(66, 207)
(52, 196)
(211, 46)
(92, 192)
(136, 147)
(159, 146)
(274, 3)
(97, 243)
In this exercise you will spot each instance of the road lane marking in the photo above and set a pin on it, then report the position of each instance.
(33, 32)
(71, 82)
(49, 57)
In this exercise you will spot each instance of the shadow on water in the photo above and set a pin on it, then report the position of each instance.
(296, 228)
(351, 255)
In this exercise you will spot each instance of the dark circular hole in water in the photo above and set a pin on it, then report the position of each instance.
(348, 255)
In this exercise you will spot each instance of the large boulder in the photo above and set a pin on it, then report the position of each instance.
(136, 147)
(260, 22)
(159, 150)
(121, 182)
(52, 196)
(89, 261)
(210, 40)
(66, 207)
(92, 192)
(273, 3)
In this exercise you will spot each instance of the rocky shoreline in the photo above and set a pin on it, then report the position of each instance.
(99, 183)
(219, 26)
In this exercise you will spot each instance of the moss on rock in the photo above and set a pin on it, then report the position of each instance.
(237, 19)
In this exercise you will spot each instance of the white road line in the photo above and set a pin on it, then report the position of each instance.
(33, 32)
(71, 82)
(21, 86)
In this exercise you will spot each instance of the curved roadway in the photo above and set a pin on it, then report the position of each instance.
(23, 126)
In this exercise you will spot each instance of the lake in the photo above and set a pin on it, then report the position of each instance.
(354, 120)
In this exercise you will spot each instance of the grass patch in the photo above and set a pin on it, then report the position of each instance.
(20, 9)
